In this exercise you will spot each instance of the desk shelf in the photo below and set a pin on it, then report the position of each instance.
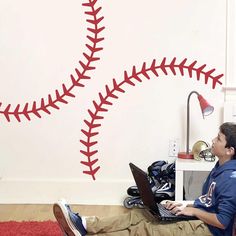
(182, 165)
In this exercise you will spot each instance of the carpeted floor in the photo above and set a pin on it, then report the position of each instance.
(30, 228)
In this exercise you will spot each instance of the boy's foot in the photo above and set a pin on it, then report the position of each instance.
(70, 222)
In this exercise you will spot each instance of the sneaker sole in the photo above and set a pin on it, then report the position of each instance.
(64, 222)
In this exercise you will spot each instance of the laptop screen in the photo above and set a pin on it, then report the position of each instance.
(144, 187)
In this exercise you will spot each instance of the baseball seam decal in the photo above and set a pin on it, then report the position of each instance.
(90, 132)
(76, 81)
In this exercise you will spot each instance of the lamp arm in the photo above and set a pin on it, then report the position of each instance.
(188, 120)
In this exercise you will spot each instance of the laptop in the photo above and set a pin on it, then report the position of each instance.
(148, 198)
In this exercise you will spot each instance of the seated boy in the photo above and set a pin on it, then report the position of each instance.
(215, 208)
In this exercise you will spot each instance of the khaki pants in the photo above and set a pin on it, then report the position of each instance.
(139, 223)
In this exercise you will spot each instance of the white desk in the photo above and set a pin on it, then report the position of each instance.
(182, 165)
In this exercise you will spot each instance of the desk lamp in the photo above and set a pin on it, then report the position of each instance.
(207, 109)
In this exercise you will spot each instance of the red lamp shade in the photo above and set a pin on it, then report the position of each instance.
(206, 108)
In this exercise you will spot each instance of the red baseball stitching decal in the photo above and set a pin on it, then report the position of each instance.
(104, 100)
(90, 57)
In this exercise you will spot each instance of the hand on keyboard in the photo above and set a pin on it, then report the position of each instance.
(174, 207)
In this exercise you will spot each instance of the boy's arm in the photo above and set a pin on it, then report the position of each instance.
(184, 203)
(206, 217)
(186, 208)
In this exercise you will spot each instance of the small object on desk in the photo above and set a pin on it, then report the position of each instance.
(184, 155)
(198, 147)
(207, 155)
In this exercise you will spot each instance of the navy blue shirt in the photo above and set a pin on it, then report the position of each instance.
(219, 196)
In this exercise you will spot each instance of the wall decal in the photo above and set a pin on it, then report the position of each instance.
(105, 100)
(54, 101)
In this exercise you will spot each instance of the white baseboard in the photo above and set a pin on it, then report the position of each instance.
(47, 191)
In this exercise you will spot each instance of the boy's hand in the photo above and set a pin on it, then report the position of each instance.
(187, 211)
(174, 207)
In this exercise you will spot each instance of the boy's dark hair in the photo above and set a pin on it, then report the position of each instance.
(229, 130)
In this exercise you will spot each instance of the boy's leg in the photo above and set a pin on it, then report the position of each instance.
(181, 228)
(72, 224)
(138, 222)
(125, 224)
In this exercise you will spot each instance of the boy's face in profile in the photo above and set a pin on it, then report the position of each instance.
(218, 145)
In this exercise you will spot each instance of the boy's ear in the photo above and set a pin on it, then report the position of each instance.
(231, 151)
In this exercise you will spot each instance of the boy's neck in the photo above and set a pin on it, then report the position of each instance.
(223, 160)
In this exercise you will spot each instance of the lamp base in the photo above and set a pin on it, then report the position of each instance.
(185, 155)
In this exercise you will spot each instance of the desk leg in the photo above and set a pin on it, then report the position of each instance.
(179, 183)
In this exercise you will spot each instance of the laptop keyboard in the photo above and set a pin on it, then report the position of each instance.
(164, 212)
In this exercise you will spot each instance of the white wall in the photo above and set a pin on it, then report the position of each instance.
(230, 88)
(231, 47)
(41, 44)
